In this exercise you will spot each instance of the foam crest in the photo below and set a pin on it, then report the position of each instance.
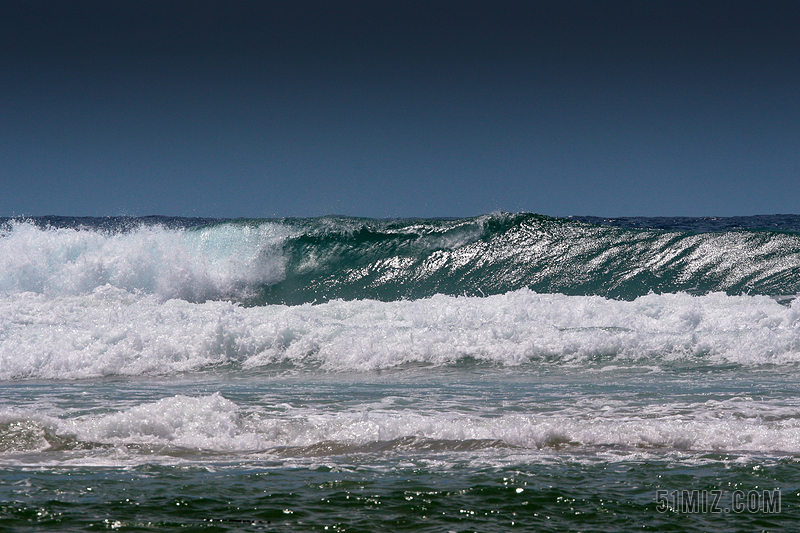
(213, 423)
(204, 423)
(206, 263)
(114, 332)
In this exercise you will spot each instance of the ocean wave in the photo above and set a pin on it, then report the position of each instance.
(296, 261)
(116, 332)
(216, 424)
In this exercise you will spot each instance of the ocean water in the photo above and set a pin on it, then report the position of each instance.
(503, 372)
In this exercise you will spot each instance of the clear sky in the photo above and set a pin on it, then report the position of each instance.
(387, 108)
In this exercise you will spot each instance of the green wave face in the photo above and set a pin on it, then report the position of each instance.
(346, 258)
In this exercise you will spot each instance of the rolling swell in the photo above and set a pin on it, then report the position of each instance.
(349, 258)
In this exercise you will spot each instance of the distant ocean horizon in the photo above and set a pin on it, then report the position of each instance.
(498, 372)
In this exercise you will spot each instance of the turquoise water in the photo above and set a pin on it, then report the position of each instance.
(145, 387)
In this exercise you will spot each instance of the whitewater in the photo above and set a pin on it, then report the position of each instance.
(508, 370)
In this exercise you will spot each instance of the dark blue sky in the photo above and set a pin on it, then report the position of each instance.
(399, 108)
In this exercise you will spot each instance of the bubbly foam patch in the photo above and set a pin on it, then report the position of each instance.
(199, 264)
(111, 331)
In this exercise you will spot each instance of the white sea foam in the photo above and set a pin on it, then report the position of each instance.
(195, 265)
(111, 331)
(215, 423)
